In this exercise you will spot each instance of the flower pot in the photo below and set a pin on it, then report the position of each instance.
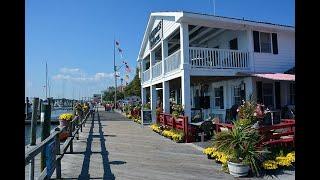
(63, 135)
(238, 170)
(63, 122)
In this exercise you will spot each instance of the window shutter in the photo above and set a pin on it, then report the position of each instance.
(233, 44)
(221, 97)
(243, 93)
(256, 41)
(259, 91)
(274, 43)
(277, 94)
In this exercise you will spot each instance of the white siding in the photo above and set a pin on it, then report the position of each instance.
(222, 40)
(169, 25)
(281, 62)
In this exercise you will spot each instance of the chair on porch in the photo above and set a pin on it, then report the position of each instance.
(207, 129)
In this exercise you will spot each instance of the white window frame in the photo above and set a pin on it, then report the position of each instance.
(215, 97)
(271, 45)
(233, 94)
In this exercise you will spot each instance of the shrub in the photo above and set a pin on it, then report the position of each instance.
(240, 145)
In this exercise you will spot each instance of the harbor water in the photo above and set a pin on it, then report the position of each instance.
(27, 129)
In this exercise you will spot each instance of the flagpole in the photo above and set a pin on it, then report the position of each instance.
(115, 75)
(46, 80)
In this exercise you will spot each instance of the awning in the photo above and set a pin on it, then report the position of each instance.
(277, 76)
(272, 76)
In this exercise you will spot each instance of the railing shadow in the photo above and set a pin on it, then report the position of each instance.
(87, 154)
(107, 174)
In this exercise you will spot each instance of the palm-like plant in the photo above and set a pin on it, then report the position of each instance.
(241, 145)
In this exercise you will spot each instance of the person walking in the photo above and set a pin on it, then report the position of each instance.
(91, 109)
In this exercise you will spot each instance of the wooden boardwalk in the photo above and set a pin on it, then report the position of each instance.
(113, 147)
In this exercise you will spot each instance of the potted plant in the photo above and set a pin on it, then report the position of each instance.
(64, 120)
(240, 144)
(177, 110)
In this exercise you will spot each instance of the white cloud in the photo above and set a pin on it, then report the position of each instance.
(70, 70)
(76, 75)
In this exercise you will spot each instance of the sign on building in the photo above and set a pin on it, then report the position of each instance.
(155, 35)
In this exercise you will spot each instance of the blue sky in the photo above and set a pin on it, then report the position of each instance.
(75, 37)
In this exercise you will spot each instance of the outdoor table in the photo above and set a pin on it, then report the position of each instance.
(198, 129)
(272, 112)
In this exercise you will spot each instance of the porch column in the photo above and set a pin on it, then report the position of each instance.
(185, 77)
(142, 69)
(152, 60)
(165, 97)
(185, 95)
(164, 47)
(184, 45)
(143, 95)
(153, 95)
(250, 49)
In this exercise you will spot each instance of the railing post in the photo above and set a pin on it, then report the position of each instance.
(45, 122)
(58, 161)
(77, 125)
(70, 135)
(33, 133)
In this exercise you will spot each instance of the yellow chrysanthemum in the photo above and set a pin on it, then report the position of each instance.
(291, 156)
(66, 116)
(283, 161)
(270, 164)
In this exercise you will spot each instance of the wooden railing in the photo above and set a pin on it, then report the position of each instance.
(157, 69)
(172, 62)
(269, 137)
(180, 123)
(146, 75)
(218, 58)
(74, 128)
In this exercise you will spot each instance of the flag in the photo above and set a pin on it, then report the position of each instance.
(128, 68)
(120, 50)
(117, 43)
(127, 77)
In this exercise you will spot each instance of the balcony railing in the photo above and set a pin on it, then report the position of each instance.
(218, 58)
(172, 62)
(146, 75)
(157, 69)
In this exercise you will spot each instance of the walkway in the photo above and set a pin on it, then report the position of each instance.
(113, 147)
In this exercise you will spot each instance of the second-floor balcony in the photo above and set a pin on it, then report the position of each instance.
(218, 58)
(201, 58)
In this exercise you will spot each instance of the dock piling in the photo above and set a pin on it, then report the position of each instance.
(45, 132)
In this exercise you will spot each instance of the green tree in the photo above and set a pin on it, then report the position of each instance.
(109, 95)
(134, 87)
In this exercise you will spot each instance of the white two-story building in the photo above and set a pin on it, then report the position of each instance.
(212, 63)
